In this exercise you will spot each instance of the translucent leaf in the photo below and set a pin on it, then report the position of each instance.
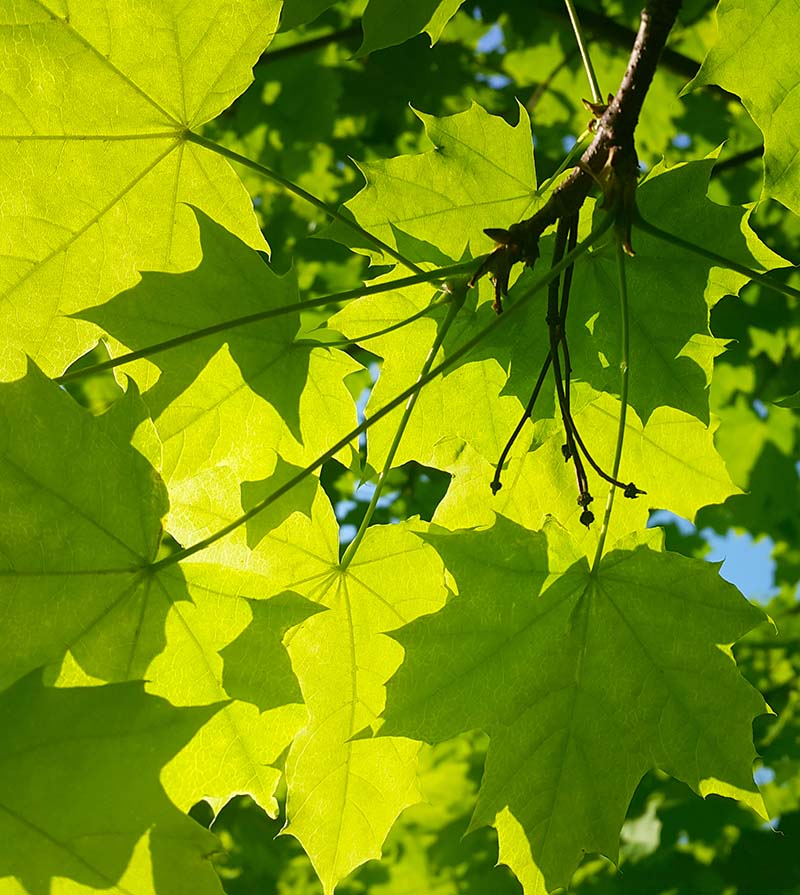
(227, 404)
(479, 174)
(345, 794)
(670, 294)
(385, 22)
(584, 680)
(753, 59)
(63, 747)
(672, 458)
(97, 103)
(84, 526)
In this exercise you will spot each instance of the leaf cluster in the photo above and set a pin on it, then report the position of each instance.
(254, 395)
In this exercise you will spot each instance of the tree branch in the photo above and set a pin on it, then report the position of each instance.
(607, 29)
(307, 46)
(609, 161)
(734, 161)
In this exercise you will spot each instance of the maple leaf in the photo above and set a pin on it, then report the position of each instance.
(385, 22)
(465, 404)
(61, 747)
(95, 119)
(77, 576)
(752, 59)
(245, 398)
(672, 457)
(670, 298)
(479, 174)
(118, 214)
(584, 680)
(257, 667)
(670, 295)
(344, 794)
(88, 579)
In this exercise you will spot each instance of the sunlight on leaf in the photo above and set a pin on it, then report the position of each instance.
(106, 89)
(583, 683)
(63, 746)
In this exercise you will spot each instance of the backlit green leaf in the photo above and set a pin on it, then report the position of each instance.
(584, 681)
(63, 746)
(226, 403)
(479, 174)
(752, 59)
(96, 105)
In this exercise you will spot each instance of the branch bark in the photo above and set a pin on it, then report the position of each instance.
(609, 161)
(612, 32)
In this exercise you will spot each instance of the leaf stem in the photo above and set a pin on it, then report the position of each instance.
(360, 292)
(397, 401)
(556, 329)
(721, 260)
(455, 306)
(298, 191)
(623, 397)
(357, 340)
(597, 97)
(496, 483)
(734, 161)
(601, 26)
(577, 149)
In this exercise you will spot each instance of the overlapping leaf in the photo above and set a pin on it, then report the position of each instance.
(84, 519)
(596, 675)
(479, 174)
(61, 749)
(227, 403)
(584, 680)
(84, 525)
(96, 105)
(753, 59)
(343, 795)
(476, 407)
(673, 458)
(670, 293)
(467, 404)
(238, 751)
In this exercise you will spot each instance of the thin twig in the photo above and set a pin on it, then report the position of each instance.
(397, 401)
(610, 159)
(308, 46)
(541, 88)
(721, 260)
(224, 325)
(496, 484)
(601, 26)
(455, 305)
(572, 240)
(298, 191)
(556, 330)
(734, 161)
(366, 337)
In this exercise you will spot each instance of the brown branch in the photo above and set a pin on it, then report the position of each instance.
(607, 29)
(609, 161)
